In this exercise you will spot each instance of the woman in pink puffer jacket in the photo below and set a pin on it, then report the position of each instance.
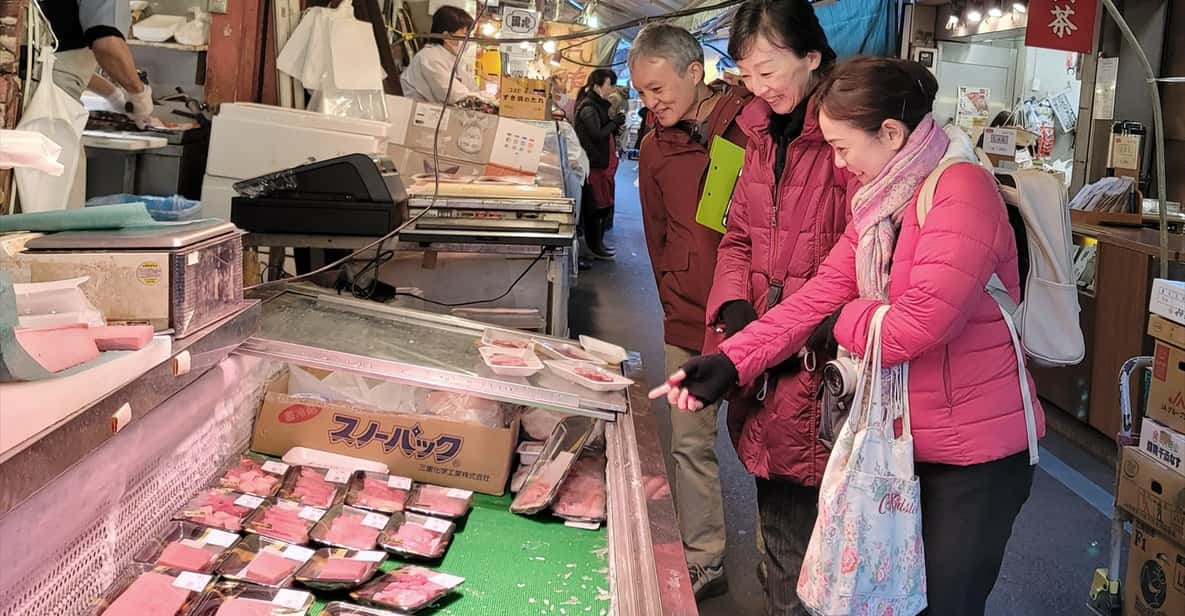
(965, 399)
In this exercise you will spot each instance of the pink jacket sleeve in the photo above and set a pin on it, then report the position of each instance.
(731, 279)
(956, 254)
(782, 331)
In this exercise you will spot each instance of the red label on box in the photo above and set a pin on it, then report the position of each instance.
(1062, 24)
(1160, 365)
(298, 413)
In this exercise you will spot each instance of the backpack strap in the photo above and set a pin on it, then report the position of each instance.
(1026, 396)
(926, 196)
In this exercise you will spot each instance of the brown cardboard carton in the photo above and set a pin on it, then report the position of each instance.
(1164, 329)
(1152, 492)
(529, 99)
(425, 448)
(1166, 396)
(1155, 583)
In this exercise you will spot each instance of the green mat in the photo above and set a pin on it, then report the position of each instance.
(517, 565)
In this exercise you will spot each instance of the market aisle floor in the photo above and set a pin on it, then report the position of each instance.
(1059, 539)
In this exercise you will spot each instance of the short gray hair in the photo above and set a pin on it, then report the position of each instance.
(671, 43)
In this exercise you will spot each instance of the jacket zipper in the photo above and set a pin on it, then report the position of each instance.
(946, 386)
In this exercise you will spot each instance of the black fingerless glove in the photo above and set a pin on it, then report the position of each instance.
(736, 315)
(822, 340)
(709, 377)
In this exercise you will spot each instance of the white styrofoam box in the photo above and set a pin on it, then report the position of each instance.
(245, 149)
(1167, 446)
(1168, 299)
(158, 28)
(216, 195)
(304, 119)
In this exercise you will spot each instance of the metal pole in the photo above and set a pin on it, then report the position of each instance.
(1158, 126)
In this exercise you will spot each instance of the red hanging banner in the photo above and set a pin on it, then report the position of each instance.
(1062, 24)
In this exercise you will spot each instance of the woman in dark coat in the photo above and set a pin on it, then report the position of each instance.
(596, 130)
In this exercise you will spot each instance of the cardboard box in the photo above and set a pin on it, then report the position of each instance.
(521, 97)
(1166, 394)
(1164, 329)
(1152, 492)
(1168, 299)
(1155, 584)
(469, 140)
(425, 448)
(1165, 445)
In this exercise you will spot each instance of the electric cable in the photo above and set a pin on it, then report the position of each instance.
(508, 290)
(481, 8)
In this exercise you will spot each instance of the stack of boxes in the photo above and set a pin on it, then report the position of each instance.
(1152, 475)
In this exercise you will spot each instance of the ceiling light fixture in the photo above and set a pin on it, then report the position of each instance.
(487, 29)
(974, 16)
(549, 46)
(952, 22)
(1019, 8)
(995, 12)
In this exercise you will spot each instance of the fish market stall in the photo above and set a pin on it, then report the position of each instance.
(190, 501)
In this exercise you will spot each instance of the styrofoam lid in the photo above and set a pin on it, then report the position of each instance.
(303, 118)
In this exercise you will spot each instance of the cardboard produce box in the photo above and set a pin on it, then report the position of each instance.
(426, 448)
(1166, 395)
(1155, 584)
(1152, 492)
(1168, 299)
(1164, 444)
(521, 97)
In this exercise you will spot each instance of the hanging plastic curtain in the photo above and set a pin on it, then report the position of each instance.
(860, 27)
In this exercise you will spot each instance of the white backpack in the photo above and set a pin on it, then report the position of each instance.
(1047, 316)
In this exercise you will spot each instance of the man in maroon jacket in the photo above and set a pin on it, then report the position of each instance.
(667, 68)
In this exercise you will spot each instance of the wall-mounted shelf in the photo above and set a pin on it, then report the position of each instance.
(174, 46)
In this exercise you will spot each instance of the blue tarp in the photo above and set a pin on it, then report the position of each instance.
(854, 27)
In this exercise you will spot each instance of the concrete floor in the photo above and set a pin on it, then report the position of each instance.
(1058, 541)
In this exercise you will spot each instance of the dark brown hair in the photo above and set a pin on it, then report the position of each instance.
(448, 19)
(866, 91)
(790, 24)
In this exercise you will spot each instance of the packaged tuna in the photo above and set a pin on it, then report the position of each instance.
(341, 608)
(350, 527)
(254, 475)
(503, 340)
(583, 495)
(588, 375)
(439, 501)
(316, 487)
(285, 520)
(511, 362)
(559, 454)
(520, 477)
(219, 508)
(188, 547)
(407, 589)
(143, 590)
(415, 535)
(378, 492)
(264, 561)
(340, 568)
(565, 351)
(230, 598)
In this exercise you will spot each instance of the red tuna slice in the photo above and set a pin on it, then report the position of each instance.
(592, 375)
(215, 508)
(343, 569)
(377, 494)
(245, 607)
(151, 594)
(312, 489)
(435, 499)
(270, 568)
(58, 348)
(501, 359)
(348, 530)
(122, 337)
(281, 520)
(417, 539)
(248, 476)
(185, 557)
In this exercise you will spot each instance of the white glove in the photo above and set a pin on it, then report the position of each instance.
(141, 105)
(117, 100)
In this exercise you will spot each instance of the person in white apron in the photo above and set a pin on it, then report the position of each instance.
(428, 75)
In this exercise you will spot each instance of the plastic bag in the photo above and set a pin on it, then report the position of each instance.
(22, 148)
(166, 209)
(61, 119)
(195, 32)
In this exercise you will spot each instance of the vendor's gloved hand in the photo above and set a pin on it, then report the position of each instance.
(117, 100)
(736, 315)
(701, 381)
(141, 103)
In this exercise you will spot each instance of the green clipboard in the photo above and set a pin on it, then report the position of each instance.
(725, 159)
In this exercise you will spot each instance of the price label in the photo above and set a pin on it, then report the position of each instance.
(189, 580)
(337, 475)
(276, 468)
(292, 599)
(376, 520)
(248, 501)
(371, 556)
(297, 552)
(193, 543)
(446, 580)
(1000, 141)
(399, 483)
(436, 524)
(458, 493)
(221, 538)
(583, 525)
(311, 514)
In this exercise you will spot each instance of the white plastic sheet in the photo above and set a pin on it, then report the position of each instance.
(53, 113)
(27, 149)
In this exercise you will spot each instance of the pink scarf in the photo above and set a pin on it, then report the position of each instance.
(877, 207)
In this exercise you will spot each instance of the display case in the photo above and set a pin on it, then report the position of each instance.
(66, 540)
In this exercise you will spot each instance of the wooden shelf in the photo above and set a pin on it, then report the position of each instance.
(174, 46)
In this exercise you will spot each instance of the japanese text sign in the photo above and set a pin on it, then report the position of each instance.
(1062, 24)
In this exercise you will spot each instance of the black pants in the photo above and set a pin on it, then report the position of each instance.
(593, 223)
(788, 512)
(967, 517)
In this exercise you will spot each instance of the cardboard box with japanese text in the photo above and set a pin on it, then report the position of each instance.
(426, 448)
(1152, 492)
(521, 97)
(1155, 583)
(1164, 444)
(1166, 393)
